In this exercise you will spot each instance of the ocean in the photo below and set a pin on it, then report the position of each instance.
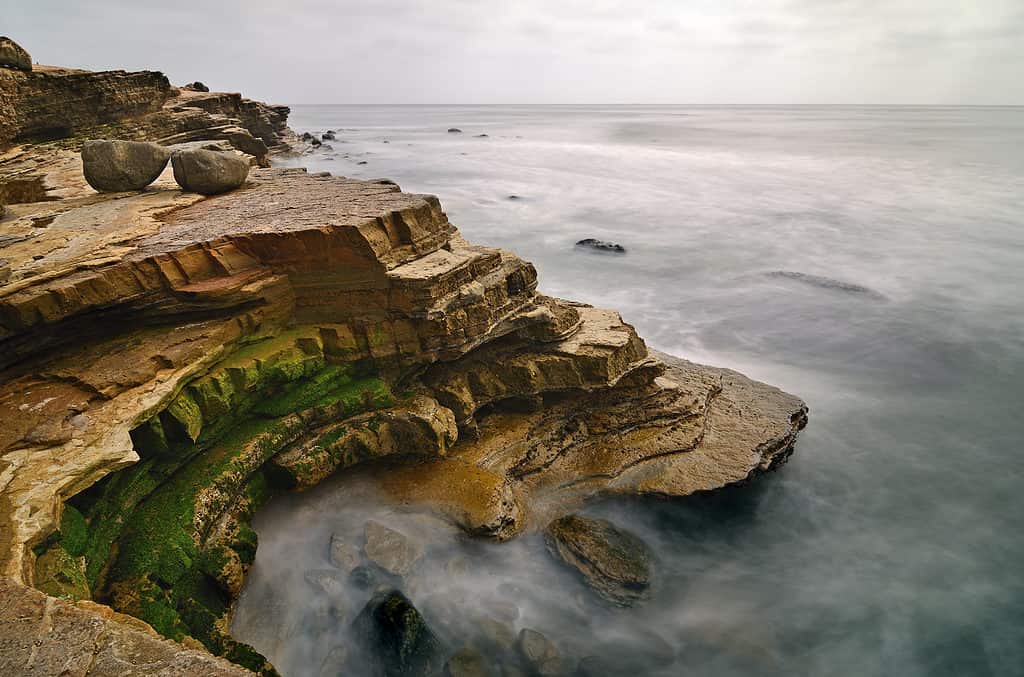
(867, 259)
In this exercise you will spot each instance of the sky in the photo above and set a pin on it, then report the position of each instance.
(548, 51)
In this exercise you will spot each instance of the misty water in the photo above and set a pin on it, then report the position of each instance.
(867, 259)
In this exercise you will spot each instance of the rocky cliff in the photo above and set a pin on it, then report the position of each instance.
(169, 362)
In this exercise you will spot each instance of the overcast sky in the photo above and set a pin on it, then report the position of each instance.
(548, 51)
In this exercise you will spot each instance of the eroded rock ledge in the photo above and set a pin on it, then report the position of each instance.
(169, 362)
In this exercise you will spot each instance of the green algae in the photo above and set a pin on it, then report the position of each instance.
(168, 539)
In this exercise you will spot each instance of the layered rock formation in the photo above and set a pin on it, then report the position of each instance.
(168, 362)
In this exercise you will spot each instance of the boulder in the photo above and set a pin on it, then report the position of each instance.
(328, 135)
(454, 130)
(538, 654)
(389, 549)
(117, 166)
(208, 172)
(325, 581)
(601, 245)
(394, 635)
(12, 55)
(196, 87)
(306, 136)
(467, 662)
(315, 142)
(343, 554)
(614, 563)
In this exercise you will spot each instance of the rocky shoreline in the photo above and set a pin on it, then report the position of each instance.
(170, 361)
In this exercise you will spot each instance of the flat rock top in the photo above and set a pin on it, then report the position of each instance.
(60, 239)
(41, 635)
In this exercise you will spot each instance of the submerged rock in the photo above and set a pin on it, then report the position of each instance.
(326, 581)
(614, 563)
(538, 654)
(601, 245)
(306, 136)
(454, 130)
(395, 635)
(390, 550)
(467, 662)
(208, 172)
(12, 55)
(328, 135)
(118, 166)
(343, 554)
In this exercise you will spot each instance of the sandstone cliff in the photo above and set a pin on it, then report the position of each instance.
(168, 362)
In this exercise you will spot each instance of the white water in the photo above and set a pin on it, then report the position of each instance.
(890, 545)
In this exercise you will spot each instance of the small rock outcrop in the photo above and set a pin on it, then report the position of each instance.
(454, 130)
(12, 55)
(208, 172)
(614, 563)
(601, 245)
(119, 166)
(397, 637)
(328, 135)
(196, 87)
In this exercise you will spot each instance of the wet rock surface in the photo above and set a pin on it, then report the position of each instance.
(397, 638)
(208, 172)
(390, 550)
(117, 166)
(601, 245)
(613, 562)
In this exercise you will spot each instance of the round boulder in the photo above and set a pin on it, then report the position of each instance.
(13, 56)
(116, 166)
(208, 172)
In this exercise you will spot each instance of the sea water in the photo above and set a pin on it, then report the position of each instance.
(867, 259)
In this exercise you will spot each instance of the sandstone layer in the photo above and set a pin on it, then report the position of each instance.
(168, 362)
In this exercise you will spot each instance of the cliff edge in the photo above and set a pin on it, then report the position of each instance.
(168, 362)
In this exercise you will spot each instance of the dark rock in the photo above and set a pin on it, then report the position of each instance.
(826, 283)
(315, 142)
(208, 172)
(467, 662)
(481, 136)
(116, 166)
(538, 654)
(12, 55)
(516, 197)
(395, 636)
(454, 130)
(362, 162)
(328, 135)
(306, 136)
(601, 245)
(614, 563)
(196, 87)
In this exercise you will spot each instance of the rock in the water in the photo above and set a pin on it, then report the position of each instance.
(328, 135)
(196, 87)
(467, 662)
(396, 636)
(614, 563)
(334, 663)
(315, 142)
(481, 136)
(306, 136)
(539, 655)
(363, 577)
(12, 55)
(208, 172)
(601, 245)
(326, 581)
(454, 130)
(389, 549)
(343, 554)
(116, 166)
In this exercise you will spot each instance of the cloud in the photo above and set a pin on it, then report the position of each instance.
(658, 51)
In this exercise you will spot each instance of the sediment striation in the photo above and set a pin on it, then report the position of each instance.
(168, 362)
